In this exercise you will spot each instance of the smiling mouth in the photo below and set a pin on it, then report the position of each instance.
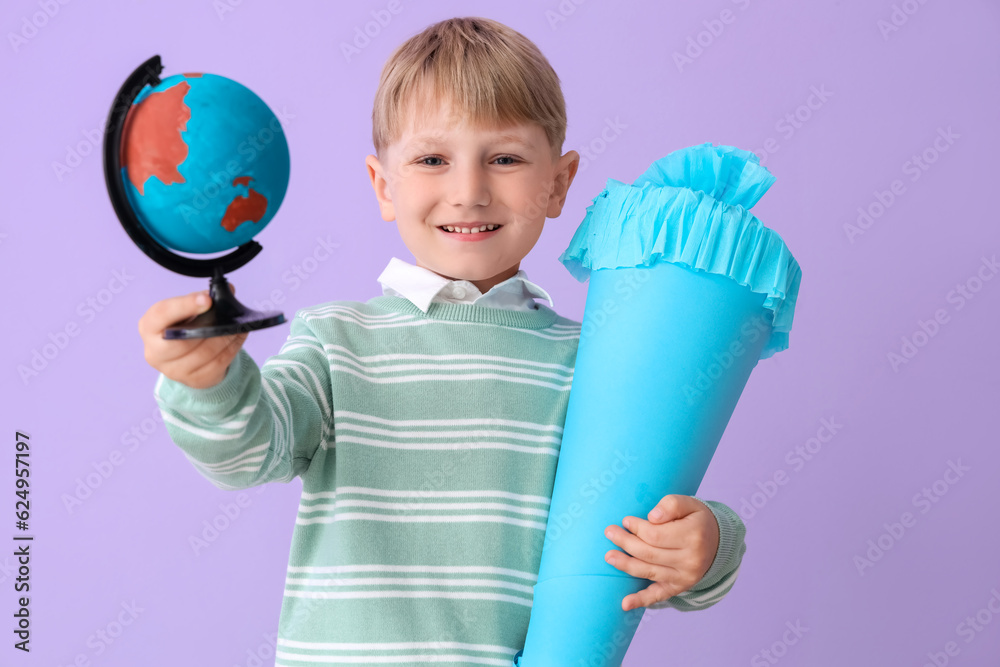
(450, 229)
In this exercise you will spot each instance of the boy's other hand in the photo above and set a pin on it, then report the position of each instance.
(675, 548)
(199, 363)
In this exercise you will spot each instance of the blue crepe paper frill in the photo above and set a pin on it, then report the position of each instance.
(691, 208)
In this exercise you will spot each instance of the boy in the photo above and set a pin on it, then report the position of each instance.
(425, 423)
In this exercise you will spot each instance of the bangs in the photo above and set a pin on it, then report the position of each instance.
(492, 76)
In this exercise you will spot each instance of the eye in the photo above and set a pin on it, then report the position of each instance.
(508, 157)
(429, 157)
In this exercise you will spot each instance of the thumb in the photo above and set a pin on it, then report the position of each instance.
(203, 299)
(671, 507)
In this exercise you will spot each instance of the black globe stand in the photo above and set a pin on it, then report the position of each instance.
(227, 316)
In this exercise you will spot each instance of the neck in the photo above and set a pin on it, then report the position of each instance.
(486, 284)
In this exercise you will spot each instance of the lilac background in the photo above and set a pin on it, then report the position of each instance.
(898, 429)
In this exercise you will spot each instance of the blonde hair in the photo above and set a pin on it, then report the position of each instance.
(493, 74)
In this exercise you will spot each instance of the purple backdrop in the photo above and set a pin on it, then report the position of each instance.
(863, 459)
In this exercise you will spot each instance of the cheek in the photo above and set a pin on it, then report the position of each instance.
(413, 202)
(533, 199)
(531, 206)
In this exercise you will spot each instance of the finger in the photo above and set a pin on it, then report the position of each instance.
(166, 350)
(632, 544)
(657, 591)
(640, 568)
(671, 535)
(199, 362)
(208, 374)
(674, 506)
(167, 312)
(170, 312)
(645, 536)
(214, 347)
(215, 370)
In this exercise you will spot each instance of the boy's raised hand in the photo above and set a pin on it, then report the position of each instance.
(674, 548)
(199, 363)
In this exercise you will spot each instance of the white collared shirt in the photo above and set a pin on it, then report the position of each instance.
(422, 287)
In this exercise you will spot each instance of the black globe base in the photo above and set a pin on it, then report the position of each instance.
(226, 317)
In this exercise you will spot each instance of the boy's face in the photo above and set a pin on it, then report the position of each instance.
(442, 171)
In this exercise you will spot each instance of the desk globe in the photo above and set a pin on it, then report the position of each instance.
(196, 163)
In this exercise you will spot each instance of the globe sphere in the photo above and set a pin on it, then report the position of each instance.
(204, 161)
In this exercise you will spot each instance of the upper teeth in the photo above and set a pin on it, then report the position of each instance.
(470, 230)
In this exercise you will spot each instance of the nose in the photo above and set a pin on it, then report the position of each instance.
(469, 186)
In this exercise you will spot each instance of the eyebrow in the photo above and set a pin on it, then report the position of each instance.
(513, 138)
(426, 140)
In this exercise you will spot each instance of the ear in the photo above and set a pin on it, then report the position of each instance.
(564, 174)
(377, 175)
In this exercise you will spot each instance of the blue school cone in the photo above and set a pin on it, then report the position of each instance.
(688, 290)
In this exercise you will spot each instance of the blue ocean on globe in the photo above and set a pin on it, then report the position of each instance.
(205, 162)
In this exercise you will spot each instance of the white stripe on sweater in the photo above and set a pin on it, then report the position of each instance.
(367, 371)
(451, 377)
(422, 518)
(447, 422)
(451, 595)
(324, 507)
(441, 358)
(424, 494)
(401, 658)
(394, 646)
(443, 445)
(559, 334)
(411, 581)
(443, 569)
(323, 310)
(702, 598)
(239, 459)
(400, 435)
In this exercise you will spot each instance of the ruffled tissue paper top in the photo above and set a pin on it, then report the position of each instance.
(692, 208)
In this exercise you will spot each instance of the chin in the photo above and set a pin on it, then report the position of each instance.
(466, 273)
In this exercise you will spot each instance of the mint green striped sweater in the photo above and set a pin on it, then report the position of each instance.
(427, 448)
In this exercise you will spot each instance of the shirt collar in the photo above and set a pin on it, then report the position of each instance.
(421, 285)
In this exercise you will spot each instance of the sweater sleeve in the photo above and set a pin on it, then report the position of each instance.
(257, 425)
(721, 576)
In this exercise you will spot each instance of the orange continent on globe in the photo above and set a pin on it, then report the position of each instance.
(149, 150)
